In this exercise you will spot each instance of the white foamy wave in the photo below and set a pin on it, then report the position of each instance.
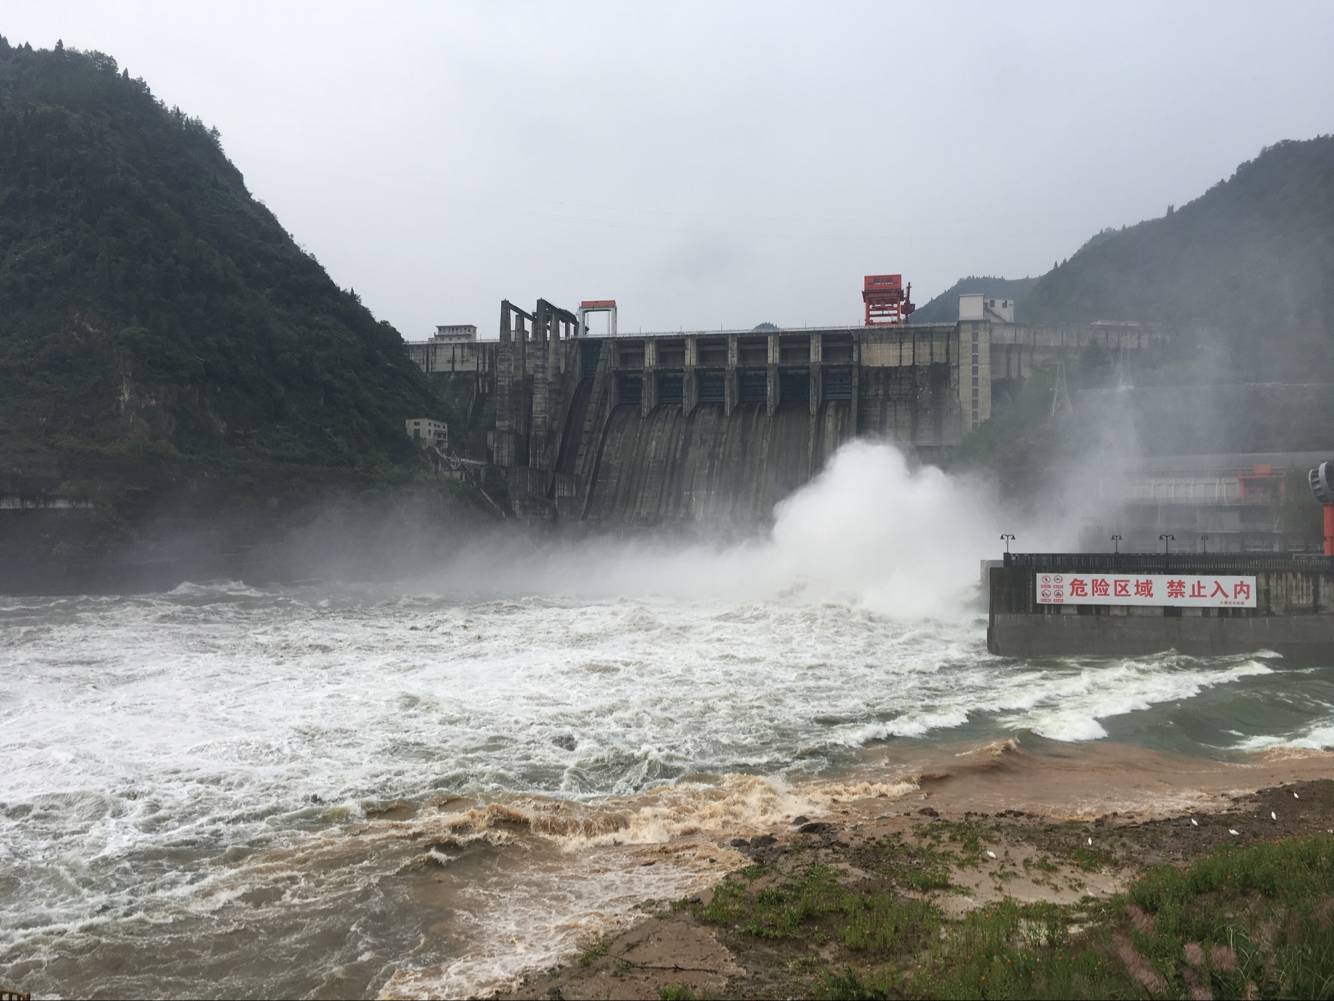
(215, 587)
(1317, 736)
(544, 925)
(1072, 707)
(910, 724)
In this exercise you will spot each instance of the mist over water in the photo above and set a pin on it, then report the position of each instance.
(426, 785)
(870, 532)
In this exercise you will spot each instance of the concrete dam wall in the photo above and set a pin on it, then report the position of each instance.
(717, 427)
(709, 466)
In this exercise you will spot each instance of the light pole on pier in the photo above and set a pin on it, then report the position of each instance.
(1204, 542)
(1007, 538)
(1116, 544)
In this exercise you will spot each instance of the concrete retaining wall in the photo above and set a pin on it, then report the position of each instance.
(1294, 617)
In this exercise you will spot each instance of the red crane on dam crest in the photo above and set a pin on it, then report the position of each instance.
(888, 301)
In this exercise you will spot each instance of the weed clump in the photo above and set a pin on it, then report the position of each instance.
(1254, 921)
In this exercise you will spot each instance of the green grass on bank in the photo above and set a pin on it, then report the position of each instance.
(876, 923)
(1254, 921)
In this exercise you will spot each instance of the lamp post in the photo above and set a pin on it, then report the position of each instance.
(1204, 542)
(1007, 538)
(1166, 540)
(1116, 544)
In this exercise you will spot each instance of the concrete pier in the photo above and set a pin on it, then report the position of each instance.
(504, 441)
(690, 377)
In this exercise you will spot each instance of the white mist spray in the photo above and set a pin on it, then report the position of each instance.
(873, 531)
(869, 531)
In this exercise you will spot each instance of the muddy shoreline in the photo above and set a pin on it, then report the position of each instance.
(1069, 827)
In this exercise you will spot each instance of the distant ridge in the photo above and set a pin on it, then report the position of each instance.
(156, 317)
(1250, 262)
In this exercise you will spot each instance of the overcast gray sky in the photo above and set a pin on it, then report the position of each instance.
(711, 165)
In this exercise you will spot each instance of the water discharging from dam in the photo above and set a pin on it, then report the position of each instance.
(707, 467)
(346, 789)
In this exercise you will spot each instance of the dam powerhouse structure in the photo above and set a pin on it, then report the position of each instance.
(678, 427)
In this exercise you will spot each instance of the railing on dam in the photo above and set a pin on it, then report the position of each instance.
(724, 331)
(1180, 562)
(815, 328)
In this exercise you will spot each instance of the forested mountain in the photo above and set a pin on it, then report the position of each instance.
(944, 308)
(154, 315)
(1250, 262)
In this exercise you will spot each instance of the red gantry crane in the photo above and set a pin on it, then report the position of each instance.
(1322, 485)
(888, 301)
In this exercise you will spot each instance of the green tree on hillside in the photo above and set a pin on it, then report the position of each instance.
(1248, 265)
(150, 307)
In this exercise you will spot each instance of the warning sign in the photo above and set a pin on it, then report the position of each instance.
(1179, 590)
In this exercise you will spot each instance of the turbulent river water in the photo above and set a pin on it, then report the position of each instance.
(332, 789)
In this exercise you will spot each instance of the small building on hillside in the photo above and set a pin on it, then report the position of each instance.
(426, 432)
(978, 306)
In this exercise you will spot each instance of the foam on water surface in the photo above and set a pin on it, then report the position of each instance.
(158, 747)
(186, 772)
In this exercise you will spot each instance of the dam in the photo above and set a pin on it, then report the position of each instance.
(684, 427)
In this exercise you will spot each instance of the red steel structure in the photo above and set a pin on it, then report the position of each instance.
(1322, 485)
(888, 301)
